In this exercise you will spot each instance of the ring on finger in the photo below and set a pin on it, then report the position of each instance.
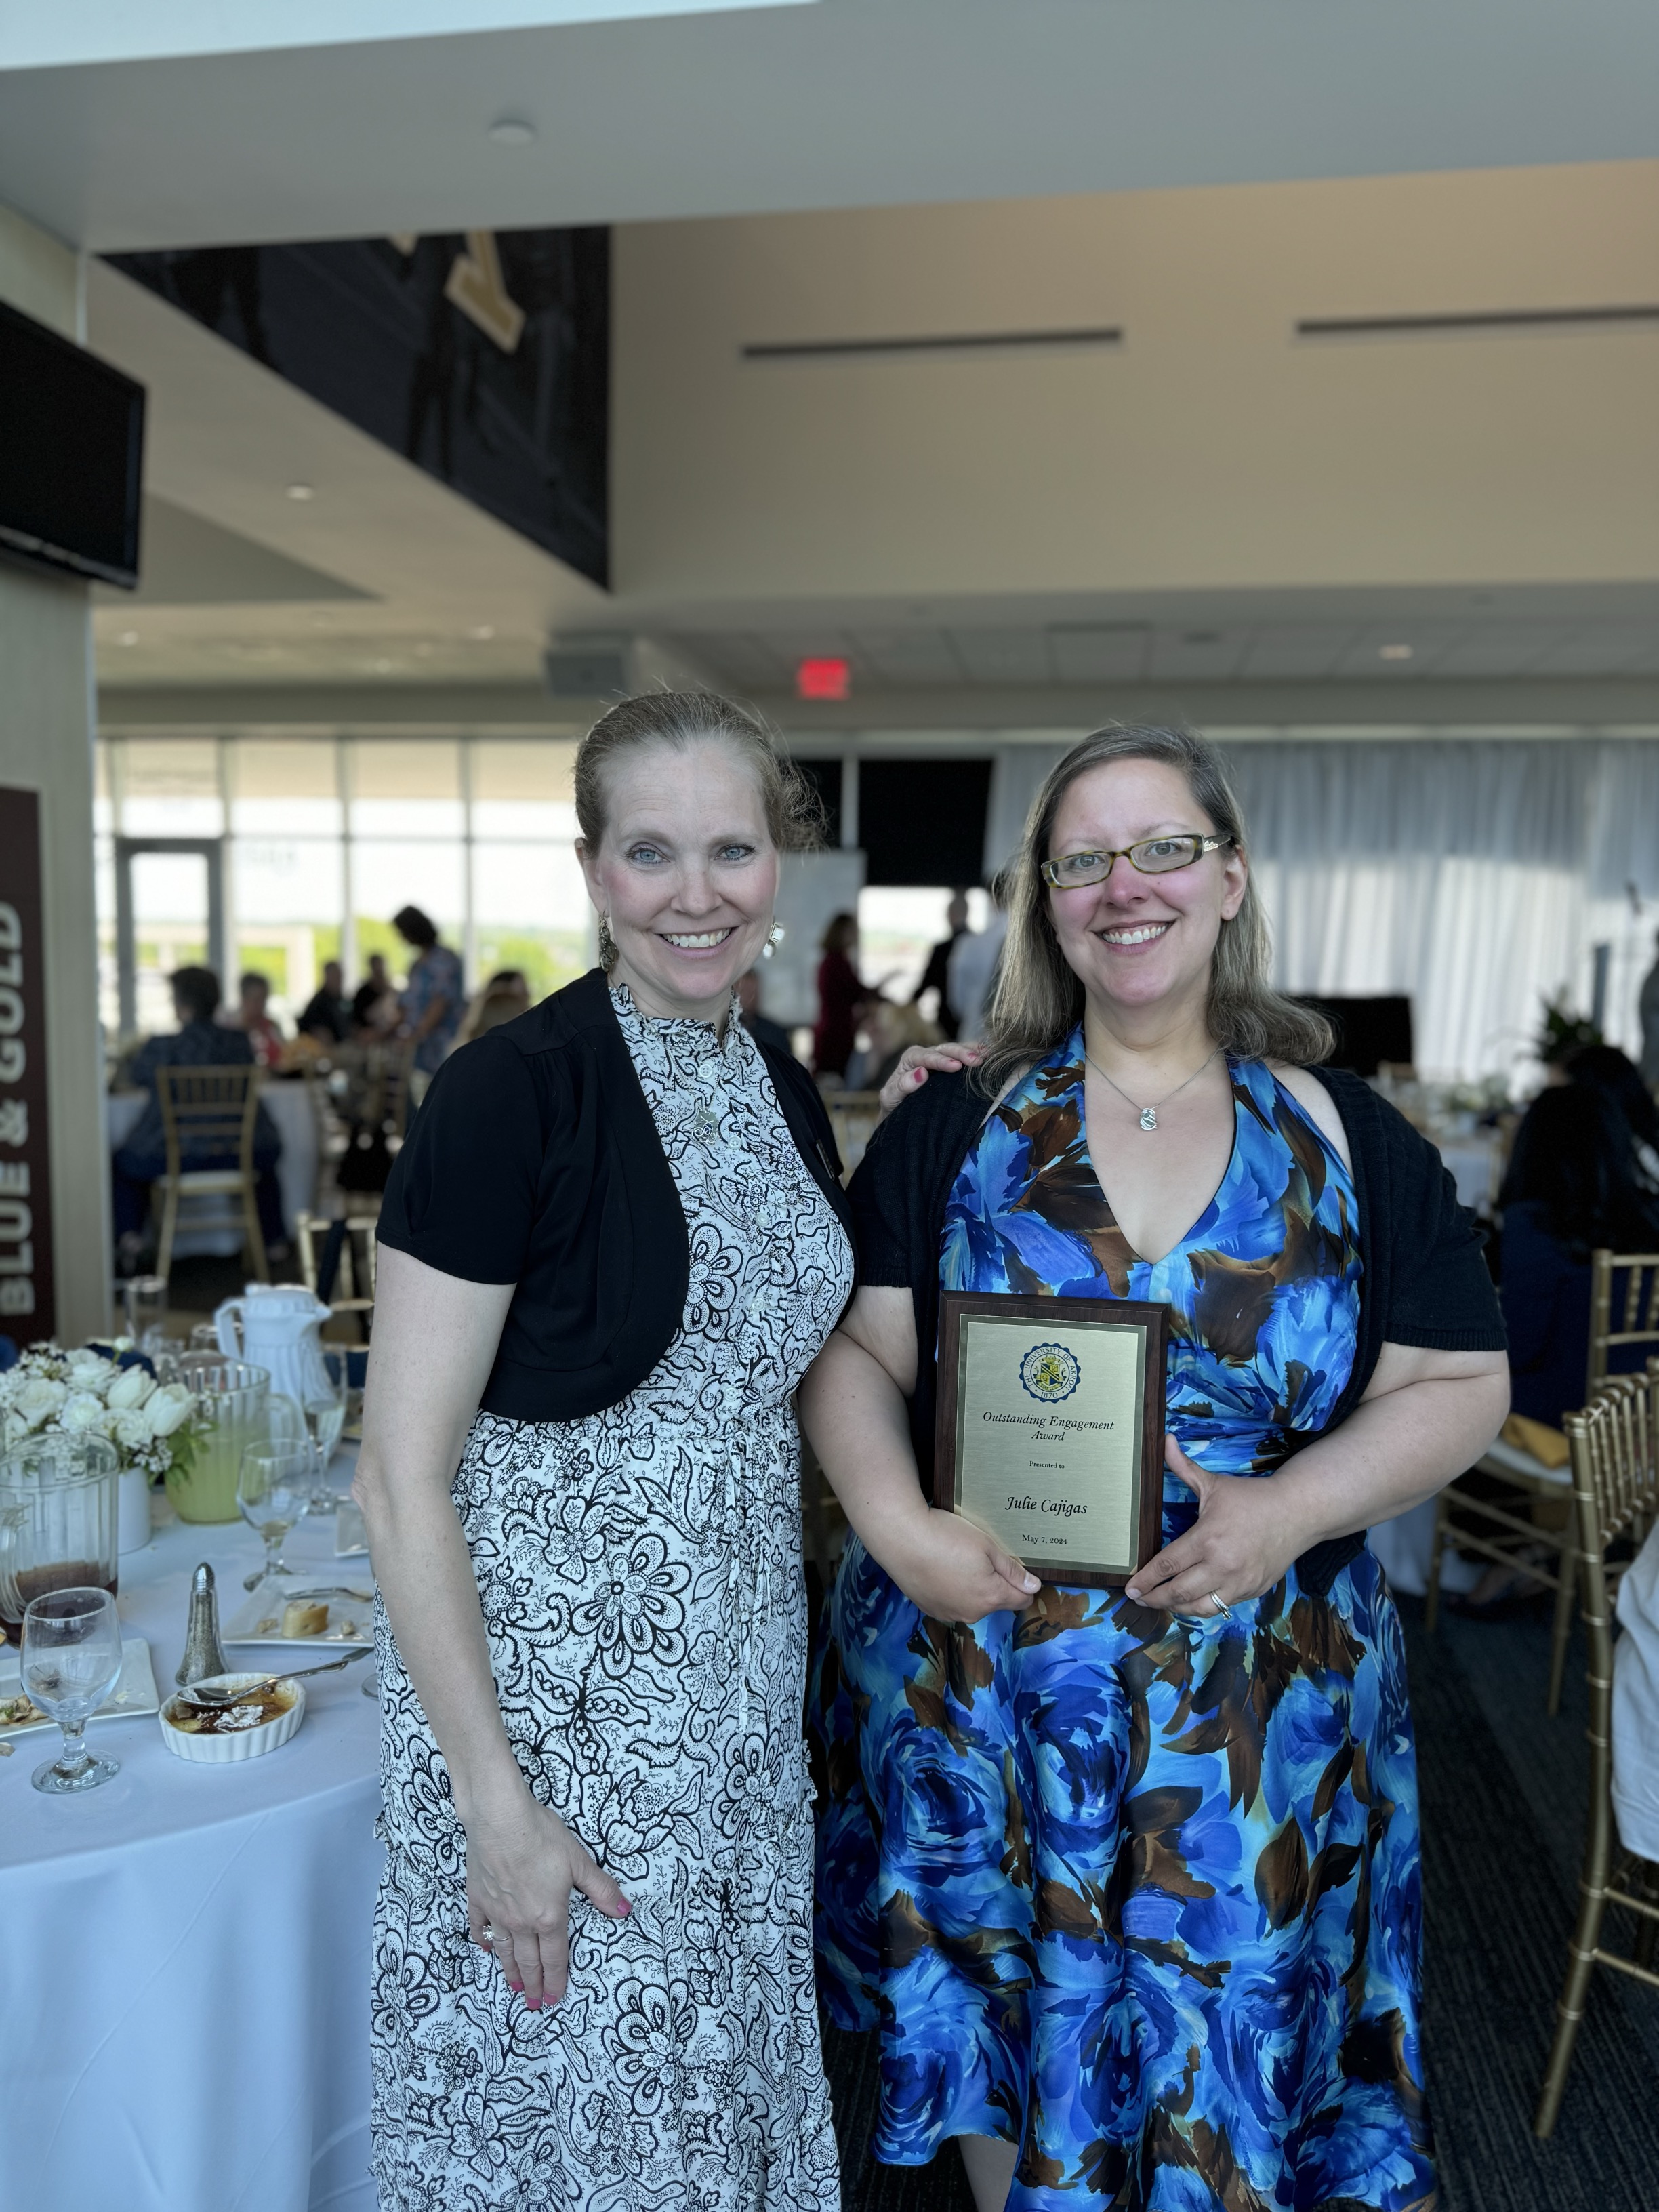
(1224, 1611)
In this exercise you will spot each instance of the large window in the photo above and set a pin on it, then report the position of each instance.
(321, 840)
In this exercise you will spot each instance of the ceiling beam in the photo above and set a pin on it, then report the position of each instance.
(1535, 706)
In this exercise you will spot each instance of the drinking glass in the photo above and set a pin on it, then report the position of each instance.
(242, 1410)
(71, 1662)
(273, 1489)
(324, 1418)
(147, 1307)
(164, 1354)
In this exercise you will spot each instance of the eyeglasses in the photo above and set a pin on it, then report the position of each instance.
(1153, 856)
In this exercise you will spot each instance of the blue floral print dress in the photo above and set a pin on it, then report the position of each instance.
(1140, 1892)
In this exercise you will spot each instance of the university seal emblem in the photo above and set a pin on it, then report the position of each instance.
(1049, 1373)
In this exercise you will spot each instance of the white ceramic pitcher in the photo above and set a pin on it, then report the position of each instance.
(278, 1326)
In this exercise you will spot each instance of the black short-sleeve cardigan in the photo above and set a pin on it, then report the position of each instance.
(1423, 1280)
(534, 1160)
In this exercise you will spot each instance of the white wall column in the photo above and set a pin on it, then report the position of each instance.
(46, 722)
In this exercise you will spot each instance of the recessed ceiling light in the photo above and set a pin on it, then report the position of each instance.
(512, 130)
(301, 491)
(483, 632)
(127, 637)
(1394, 653)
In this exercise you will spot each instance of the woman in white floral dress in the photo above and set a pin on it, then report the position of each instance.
(612, 1245)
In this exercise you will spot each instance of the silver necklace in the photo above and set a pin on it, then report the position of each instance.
(1148, 1113)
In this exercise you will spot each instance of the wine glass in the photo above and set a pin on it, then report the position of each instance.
(324, 1418)
(273, 1488)
(146, 1299)
(71, 1660)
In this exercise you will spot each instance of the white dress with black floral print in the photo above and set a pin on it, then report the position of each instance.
(641, 1576)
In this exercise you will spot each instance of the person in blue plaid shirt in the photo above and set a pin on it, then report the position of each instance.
(434, 999)
(198, 1042)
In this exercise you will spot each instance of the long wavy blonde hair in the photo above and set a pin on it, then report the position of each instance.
(1038, 999)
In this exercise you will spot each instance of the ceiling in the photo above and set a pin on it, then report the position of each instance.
(385, 583)
(1332, 644)
(839, 103)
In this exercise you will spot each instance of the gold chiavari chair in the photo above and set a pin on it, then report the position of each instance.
(1624, 1307)
(208, 1111)
(1615, 1494)
(351, 1288)
(1624, 1316)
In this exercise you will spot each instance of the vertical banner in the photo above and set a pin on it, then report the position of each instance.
(26, 1285)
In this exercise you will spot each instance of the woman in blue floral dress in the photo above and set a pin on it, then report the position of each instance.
(1129, 1879)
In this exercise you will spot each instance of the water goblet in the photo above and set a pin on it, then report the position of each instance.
(71, 1660)
(324, 1418)
(146, 1298)
(273, 1489)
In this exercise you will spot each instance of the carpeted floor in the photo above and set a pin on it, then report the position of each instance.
(1502, 1790)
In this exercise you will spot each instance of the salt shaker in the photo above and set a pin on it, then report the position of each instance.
(203, 1653)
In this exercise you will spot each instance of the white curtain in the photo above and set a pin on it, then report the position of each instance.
(1475, 875)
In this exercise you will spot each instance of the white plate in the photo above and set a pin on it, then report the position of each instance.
(134, 1693)
(350, 1622)
(350, 1537)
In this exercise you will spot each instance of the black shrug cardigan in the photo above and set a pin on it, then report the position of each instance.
(534, 1160)
(1424, 1280)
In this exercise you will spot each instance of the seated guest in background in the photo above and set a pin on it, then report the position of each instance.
(199, 1041)
(1648, 1017)
(760, 1026)
(1603, 1067)
(253, 1016)
(1130, 1878)
(842, 997)
(327, 1015)
(935, 977)
(503, 999)
(893, 1030)
(374, 1009)
(1571, 1187)
(434, 999)
(610, 1249)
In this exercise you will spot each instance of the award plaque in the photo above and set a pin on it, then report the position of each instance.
(1051, 1429)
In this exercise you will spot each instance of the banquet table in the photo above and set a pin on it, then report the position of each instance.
(184, 2003)
(294, 1118)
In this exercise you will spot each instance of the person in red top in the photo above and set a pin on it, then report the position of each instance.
(253, 1019)
(842, 997)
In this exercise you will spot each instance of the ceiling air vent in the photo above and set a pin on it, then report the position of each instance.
(1477, 324)
(1109, 334)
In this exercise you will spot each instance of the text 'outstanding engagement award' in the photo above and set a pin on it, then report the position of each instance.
(1051, 1429)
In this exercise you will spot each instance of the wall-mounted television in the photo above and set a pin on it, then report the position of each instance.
(72, 455)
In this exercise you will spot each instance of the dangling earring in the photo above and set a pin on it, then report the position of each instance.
(775, 938)
(607, 943)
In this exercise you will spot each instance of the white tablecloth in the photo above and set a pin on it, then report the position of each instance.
(290, 1107)
(185, 1991)
(1471, 1160)
(1636, 1704)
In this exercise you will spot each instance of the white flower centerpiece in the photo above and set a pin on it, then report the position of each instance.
(154, 1426)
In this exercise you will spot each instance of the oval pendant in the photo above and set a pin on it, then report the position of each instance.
(1148, 1117)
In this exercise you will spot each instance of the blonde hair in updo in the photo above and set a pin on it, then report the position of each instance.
(1038, 999)
(794, 814)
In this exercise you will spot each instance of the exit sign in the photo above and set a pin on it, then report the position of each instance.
(823, 679)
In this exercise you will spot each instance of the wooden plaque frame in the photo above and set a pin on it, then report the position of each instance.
(1047, 1317)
